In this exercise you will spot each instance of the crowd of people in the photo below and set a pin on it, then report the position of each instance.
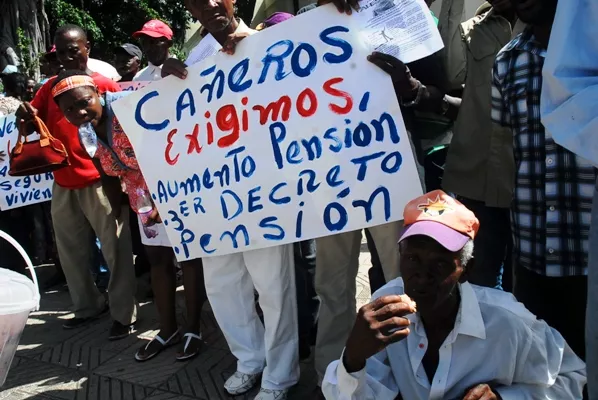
(484, 295)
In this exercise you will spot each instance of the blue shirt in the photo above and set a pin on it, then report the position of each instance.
(569, 102)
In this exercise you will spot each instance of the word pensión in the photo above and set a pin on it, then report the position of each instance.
(227, 120)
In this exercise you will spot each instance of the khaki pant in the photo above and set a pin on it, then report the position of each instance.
(337, 264)
(76, 214)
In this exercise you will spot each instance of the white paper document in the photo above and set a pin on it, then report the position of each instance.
(204, 49)
(404, 29)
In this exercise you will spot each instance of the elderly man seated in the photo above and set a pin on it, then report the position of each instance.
(432, 335)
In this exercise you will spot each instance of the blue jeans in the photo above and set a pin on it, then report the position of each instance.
(492, 246)
(592, 305)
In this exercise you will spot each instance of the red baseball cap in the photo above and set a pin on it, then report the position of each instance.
(155, 28)
(441, 217)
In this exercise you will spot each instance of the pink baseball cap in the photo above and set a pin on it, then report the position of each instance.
(155, 28)
(442, 218)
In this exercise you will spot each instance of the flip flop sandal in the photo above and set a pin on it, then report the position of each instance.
(188, 338)
(165, 344)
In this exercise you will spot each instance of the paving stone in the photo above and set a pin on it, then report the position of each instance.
(34, 377)
(160, 395)
(55, 364)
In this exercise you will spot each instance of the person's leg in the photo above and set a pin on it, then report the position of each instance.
(592, 305)
(230, 291)
(560, 301)
(72, 231)
(375, 273)
(195, 297)
(385, 238)
(11, 258)
(308, 303)
(337, 265)
(38, 236)
(272, 272)
(304, 317)
(142, 263)
(490, 243)
(115, 237)
(163, 286)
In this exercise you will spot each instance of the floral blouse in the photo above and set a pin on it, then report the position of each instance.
(120, 161)
(117, 158)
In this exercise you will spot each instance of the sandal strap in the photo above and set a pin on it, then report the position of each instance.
(163, 342)
(190, 336)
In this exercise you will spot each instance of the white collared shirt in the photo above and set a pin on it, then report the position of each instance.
(149, 74)
(208, 46)
(496, 340)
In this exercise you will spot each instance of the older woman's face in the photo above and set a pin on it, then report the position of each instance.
(81, 105)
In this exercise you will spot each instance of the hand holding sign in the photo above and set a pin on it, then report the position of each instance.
(343, 6)
(405, 85)
(175, 67)
(232, 41)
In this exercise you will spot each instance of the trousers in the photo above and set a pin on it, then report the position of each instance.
(76, 215)
(337, 264)
(492, 246)
(271, 347)
(592, 305)
(560, 301)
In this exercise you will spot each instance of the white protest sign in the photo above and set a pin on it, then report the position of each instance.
(22, 191)
(296, 136)
(133, 86)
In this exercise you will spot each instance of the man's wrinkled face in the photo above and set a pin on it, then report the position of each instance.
(215, 15)
(155, 49)
(72, 50)
(535, 12)
(429, 271)
(126, 63)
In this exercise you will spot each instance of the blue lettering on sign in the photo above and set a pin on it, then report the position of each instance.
(143, 123)
(345, 46)
(362, 162)
(268, 223)
(209, 87)
(276, 58)
(312, 59)
(233, 236)
(8, 126)
(341, 217)
(234, 197)
(278, 200)
(236, 76)
(367, 204)
(187, 237)
(204, 242)
(185, 101)
(253, 200)
(28, 196)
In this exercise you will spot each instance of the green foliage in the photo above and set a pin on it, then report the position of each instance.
(115, 21)
(29, 63)
(62, 13)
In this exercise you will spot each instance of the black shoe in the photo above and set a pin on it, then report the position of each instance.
(77, 322)
(120, 331)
